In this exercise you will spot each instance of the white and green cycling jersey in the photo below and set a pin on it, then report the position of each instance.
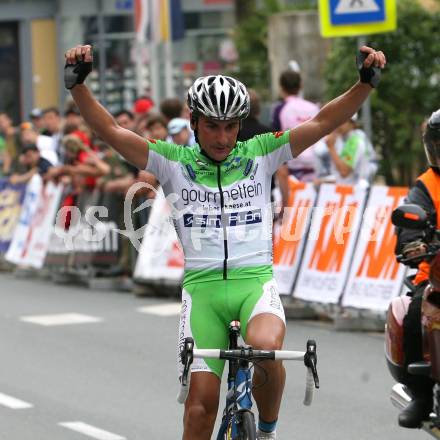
(224, 219)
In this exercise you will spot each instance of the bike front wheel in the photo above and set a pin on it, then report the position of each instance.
(246, 426)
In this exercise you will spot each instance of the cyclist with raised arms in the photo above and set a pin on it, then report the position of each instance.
(223, 188)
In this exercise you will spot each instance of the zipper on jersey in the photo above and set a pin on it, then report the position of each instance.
(225, 232)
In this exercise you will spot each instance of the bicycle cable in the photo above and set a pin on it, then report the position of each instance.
(254, 364)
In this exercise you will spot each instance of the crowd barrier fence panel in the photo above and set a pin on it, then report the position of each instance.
(290, 236)
(160, 259)
(375, 276)
(331, 240)
(11, 200)
(327, 251)
(30, 242)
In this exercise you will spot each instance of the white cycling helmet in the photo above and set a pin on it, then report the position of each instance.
(431, 140)
(219, 97)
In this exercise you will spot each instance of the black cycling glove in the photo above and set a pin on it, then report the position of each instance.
(369, 75)
(76, 73)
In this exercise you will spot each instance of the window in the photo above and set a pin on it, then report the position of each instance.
(9, 72)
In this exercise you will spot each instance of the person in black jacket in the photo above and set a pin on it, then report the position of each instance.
(426, 194)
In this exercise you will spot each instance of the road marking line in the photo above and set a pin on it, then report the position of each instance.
(91, 431)
(60, 319)
(162, 309)
(13, 403)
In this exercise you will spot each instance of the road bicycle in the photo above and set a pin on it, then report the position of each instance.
(238, 422)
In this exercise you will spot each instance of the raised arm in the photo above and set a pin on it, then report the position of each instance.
(337, 111)
(130, 145)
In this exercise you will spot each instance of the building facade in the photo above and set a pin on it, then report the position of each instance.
(34, 35)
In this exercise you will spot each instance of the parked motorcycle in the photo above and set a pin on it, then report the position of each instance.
(414, 217)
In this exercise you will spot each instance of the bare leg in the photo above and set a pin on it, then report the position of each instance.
(201, 406)
(266, 332)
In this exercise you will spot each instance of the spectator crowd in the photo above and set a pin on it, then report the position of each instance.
(61, 148)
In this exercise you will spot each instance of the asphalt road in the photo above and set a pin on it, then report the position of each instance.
(111, 375)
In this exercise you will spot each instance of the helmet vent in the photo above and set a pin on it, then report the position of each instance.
(222, 101)
(205, 100)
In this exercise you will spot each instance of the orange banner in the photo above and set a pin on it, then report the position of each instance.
(289, 237)
(376, 276)
(330, 243)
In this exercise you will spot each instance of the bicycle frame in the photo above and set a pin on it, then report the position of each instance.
(237, 415)
(238, 397)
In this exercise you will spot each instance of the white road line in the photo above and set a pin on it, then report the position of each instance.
(60, 319)
(169, 309)
(91, 431)
(13, 403)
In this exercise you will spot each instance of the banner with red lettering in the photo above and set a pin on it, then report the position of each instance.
(32, 236)
(376, 277)
(335, 224)
(289, 237)
(160, 256)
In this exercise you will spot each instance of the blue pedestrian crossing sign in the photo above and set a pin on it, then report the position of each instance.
(341, 18)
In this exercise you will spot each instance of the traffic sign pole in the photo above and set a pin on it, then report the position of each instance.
(349, 18)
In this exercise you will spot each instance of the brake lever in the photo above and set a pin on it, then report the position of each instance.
(405, 260)
(186, 357)
(311, 359)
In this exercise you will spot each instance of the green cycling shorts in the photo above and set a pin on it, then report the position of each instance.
(209, 307)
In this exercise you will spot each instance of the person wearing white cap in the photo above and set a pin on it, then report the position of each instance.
(180, 132)
(36, 117)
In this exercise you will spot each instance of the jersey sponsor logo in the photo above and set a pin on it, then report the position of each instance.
(186, 177)
(191, 172)
(252, 176)
(234, 160)
(240, 192)
(185, 310)
(248, 167)
(232, 164)
(201, 164)
(204, 172)
(275, 301)
(242, 218)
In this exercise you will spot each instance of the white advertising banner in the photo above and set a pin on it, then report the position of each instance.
(30, 205)
(289, 237)
(32, 236)
(40, 231)
(376, 277)
(333, 232)
(160, 256)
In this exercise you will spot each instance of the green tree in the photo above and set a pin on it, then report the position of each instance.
(408, 93)
(250, 36)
